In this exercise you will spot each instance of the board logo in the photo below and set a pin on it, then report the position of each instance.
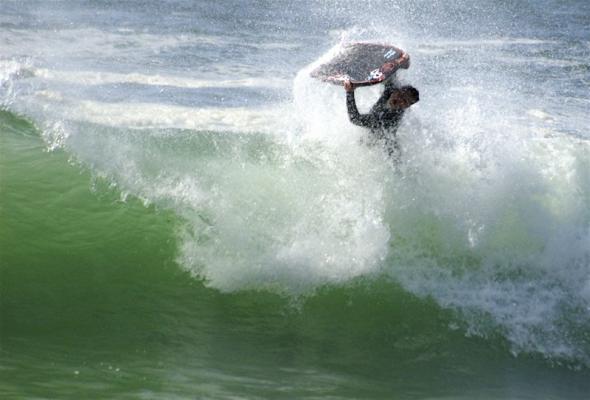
(390, 54)
(375, 74)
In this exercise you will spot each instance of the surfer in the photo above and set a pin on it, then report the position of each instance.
(385, 115)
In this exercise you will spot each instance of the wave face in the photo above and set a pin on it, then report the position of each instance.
(198, 125)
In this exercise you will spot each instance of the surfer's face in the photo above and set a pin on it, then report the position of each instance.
(400, 100)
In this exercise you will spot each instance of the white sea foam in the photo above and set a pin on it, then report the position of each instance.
(493, 222)
(11, 71)
(148, 115)
(309, 221)
(490, 217)
(101, 78)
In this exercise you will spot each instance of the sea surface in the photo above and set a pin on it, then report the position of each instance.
(186, 214)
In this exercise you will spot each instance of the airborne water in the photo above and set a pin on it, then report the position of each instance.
(185, 213)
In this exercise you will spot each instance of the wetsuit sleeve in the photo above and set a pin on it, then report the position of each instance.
(355, 117)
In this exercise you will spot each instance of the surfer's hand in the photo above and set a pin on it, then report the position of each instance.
(348, 86)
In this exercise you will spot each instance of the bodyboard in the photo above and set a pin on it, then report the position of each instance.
(362, 63)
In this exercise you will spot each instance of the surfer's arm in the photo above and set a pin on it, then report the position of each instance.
(355, 117)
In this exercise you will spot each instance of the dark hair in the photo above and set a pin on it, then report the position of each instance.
(410, 91)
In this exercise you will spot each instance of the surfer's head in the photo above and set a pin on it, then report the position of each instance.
(403, 98)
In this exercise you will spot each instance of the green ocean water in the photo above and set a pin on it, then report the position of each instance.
(94, 305)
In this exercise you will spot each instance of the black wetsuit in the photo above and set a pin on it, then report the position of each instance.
(381, 120)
